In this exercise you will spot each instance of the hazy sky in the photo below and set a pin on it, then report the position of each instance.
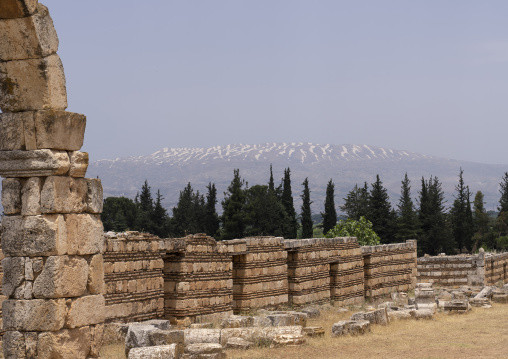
(424, 76)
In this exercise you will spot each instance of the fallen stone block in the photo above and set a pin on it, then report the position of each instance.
(486, 292)
(500, 298)
(314, 331)
(238, 343)
(193, 336)
(162, 324)
(399, 314)
(11, 195)
(28, 37)
(238, 321)
(34, 315)
(422, 314)
(62, 276)
(205, 325)
(34, 235)
(159, 352)
(288, 339)
(311, 312)
(137, 337)
(204, 350)
(377, 316)
(38, 163)
(282, 319)
(458, 306)
(31, 85)
(351, 327)
(11, 9)
(480, 302)
(258, 335)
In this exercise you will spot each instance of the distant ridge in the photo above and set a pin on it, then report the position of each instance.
(170, 169)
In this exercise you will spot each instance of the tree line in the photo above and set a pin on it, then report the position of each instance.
(268, 210)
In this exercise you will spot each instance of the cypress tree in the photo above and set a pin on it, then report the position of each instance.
(330, 214)
(461, 215)
(233, 216)
(271, 184)
(481, 223)
(291, 224)
(212, 221)
(380, 212)
(407, 220)
(306, 215)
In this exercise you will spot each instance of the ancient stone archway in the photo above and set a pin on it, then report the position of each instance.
(52, 233)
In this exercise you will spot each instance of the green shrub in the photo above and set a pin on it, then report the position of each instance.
(361, 229)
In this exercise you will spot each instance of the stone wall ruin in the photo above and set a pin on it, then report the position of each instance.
(52, 235)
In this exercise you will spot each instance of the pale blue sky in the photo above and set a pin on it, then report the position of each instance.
(424, 76)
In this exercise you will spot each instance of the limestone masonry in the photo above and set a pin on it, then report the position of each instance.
(52, 235)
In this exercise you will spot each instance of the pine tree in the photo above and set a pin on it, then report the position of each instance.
(233, 216)
(436, 236)
(306, 215)
(356, 203)
(144, 215)
(212, 221)
(407, 219)
(503, 201)
(160, 218)
(119, 214)
(330, 214)
(380, 212)
(461, 215)
(291, 224)
(184, 215)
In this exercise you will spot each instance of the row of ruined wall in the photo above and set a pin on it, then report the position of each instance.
(454, 271)
(201, 278)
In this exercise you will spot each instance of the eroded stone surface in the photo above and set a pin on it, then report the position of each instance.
(87, 310)
(79, 164)
(14, 274)
(28, 37)
(37, 163)
(31, 197)
(11, 195)
(34, 315)
(85, 234)
(34, 235)
(13, 345)
(94, 202)
(159, 352)
(11, 9)
(95, 282)
(66, 343)
(62, 276)
(31, 85)
(64, 195)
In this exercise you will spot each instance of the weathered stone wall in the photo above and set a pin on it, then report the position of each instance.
(346, 275)
(260, 275)
(389, 268)
(133, 274)
(496, 268)
(52, 235)
(452, 271)
(198, 278)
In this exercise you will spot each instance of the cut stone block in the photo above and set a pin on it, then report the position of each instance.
(31, 197)
(28, 37)
(50, 129)
(288, 339)
(11, 196)
(31, 85)
(193, 336)
(94, 198)
(350, 327)
(87, 310)
(11, 9)
(63, 195)
(34, 235)
(85, 234)
(96, 339)
(79, 164)
(160, 352)
(60, 130)
(66, 343)
(204, 350)
(34, 315)
(13, 345)
(62, 276)
(239, 343)
(38, 163)
(96, 275)
(14, 274)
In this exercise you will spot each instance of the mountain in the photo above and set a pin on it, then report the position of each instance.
(170, 169)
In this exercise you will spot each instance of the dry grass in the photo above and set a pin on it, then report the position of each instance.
(482, 333)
